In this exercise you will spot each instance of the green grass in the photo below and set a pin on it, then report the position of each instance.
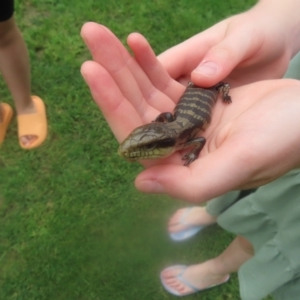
(72, 225)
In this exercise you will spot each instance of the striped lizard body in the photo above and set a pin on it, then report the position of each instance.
(172, 132)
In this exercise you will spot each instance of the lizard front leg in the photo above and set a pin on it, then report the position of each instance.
(198, 144)
(165, 117)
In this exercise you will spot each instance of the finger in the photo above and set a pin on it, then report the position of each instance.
(237, 46)
(108, 51)
(119, 113)
(183, 58)
(132, 80)
(159, 77)
(211, 55)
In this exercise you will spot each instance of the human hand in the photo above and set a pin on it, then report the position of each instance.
(252, 46)
(250, 142)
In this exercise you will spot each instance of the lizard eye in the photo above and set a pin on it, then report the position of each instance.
(167, 143)
(150, 146)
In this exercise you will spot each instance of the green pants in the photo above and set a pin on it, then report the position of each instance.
(270, 219)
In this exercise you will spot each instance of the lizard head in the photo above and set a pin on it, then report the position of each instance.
(154, 140)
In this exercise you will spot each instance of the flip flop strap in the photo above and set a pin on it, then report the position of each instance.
(195, 289)
(186, 282)
(185, 214)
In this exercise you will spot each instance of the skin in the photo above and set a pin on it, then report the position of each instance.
(14, 66)
(243, 141)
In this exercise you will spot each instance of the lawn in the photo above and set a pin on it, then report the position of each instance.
(72, 225)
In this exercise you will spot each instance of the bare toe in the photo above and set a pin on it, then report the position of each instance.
(27, 140)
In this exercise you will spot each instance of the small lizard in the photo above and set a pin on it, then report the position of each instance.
(172, 132)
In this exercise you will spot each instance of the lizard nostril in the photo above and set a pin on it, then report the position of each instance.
(122, 152)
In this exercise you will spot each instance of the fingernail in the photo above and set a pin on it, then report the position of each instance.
(150, 186)
(207, 69)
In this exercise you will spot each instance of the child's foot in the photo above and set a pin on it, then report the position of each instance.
(32, 125)
(6, 115)
(182, 280)
(187, 222)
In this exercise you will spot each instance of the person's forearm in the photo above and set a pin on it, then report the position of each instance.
(286, 13)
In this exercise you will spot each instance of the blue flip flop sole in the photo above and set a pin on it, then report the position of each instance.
(186, 234)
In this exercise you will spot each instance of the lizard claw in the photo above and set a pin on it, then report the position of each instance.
(189, 158)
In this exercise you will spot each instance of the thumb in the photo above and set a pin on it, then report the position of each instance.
(237, 46)
(208, 177)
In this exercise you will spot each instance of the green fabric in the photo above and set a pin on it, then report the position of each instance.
(270, 219)
(294, 69)
(216, 206)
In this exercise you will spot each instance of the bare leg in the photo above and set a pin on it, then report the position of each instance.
(211, 272)
(198, 216)
(231, 259)
(1, 114)
(15, 68)
(6, 114)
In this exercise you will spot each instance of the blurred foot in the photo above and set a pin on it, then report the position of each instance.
(186, 218)
(185, 280)
(32, 124)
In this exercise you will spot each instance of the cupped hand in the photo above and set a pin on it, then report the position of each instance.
(250, 142)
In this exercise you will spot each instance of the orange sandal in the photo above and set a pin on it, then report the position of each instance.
(33, 124)
(7, 114)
